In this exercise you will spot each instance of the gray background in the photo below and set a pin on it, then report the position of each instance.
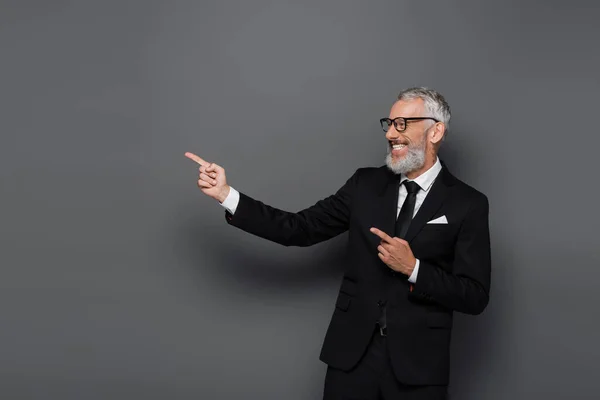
(120, 279)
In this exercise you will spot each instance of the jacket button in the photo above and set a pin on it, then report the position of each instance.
(379, 303)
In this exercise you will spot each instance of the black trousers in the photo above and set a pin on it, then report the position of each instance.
(373, 379)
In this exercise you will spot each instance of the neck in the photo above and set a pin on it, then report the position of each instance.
(429, 162)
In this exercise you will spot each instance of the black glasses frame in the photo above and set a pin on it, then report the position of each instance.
(389, 122)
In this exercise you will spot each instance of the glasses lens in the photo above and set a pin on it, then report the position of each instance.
(400, 124)
(385, 124)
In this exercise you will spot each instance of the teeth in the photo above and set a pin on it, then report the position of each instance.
(398, 146)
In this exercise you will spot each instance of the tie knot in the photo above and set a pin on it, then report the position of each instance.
(411, 187)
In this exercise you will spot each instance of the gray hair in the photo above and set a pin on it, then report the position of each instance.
(435, 104)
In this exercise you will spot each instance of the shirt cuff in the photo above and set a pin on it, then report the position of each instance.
(231, 201)
(413, 277)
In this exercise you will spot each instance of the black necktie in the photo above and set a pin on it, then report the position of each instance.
(402, 224)
(408, 208)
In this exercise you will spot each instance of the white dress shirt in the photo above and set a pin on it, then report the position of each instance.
(425, 181)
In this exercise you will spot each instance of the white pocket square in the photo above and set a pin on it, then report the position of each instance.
(440, 220)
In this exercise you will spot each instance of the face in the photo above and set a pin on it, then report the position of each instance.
(408, 151)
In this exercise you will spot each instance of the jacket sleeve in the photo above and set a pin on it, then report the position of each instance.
(325, 219)
(466, 288)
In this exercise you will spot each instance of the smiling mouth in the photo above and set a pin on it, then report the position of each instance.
(398, 145)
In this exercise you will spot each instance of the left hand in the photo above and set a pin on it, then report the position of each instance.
(395, 252)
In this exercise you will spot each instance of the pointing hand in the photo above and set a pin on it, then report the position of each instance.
(211, 178)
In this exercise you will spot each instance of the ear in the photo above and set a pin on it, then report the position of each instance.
(437, 132)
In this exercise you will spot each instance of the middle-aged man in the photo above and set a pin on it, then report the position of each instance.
(418, 249)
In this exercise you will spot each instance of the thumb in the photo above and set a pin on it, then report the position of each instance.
(214, 167)
(400, 240)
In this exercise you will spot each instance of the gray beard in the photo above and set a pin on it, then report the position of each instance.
(414, 159)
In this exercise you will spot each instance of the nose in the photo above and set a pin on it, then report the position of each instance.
(392, 133)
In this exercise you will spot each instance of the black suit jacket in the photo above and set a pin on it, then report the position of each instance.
(454, 272)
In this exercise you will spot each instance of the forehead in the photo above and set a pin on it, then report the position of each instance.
(408, 108)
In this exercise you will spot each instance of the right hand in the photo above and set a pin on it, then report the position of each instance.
(211, 178)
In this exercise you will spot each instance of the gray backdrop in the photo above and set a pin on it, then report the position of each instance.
(121, 280)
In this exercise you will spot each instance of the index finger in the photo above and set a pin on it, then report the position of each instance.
(194, 157)
(382, 235)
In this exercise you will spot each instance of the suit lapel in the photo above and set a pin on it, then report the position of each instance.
(385, 217)
(434, 200)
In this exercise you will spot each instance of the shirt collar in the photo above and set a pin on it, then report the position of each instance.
(425, 180)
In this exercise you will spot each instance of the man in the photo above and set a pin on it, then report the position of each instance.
(419, 249)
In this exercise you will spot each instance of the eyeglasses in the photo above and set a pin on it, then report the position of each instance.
(400, 122)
